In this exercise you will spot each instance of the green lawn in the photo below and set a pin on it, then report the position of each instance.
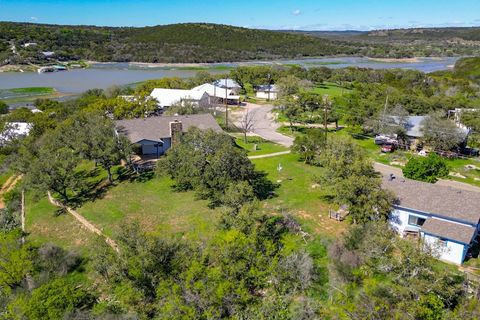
(155, 206)
(263, 146)
(332, 89)
(298, 194)
(17, 95)
(44, 224)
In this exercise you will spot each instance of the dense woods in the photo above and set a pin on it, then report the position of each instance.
(198, 42)
(170, 43)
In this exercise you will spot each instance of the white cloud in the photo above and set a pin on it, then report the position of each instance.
(296, 12)
(34, 18)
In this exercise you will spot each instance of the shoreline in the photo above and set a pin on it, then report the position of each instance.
(400, 60)
(223, 65)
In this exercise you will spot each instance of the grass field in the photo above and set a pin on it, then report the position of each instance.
(17, 95)
(298, 194)
(45, 224)
(155, 206)
(332, 89)
(263, 146)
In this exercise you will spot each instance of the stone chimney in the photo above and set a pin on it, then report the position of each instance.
(176, 130)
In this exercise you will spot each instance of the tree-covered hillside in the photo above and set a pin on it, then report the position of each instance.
(171, 43)
(468, 68)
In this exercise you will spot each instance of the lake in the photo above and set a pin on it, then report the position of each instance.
(105, 75)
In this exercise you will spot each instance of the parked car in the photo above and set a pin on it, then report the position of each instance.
(388, 147)
(471, 152)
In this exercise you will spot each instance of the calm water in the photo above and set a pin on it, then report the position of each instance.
(107, 75)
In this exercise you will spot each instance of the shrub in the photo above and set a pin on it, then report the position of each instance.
(427, 169)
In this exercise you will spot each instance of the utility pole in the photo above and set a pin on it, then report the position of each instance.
(22, 216)
(326, 106)
(269, 81)
(226, 105)
(214, 98)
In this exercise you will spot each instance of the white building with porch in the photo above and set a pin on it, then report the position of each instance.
(442, 216)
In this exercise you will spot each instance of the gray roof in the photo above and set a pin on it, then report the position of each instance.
(447, 202)
(157, 128)
(449, 230)
(230, 83)
(267, 87)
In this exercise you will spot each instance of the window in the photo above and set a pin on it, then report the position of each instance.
(442, 242)
(416, 221)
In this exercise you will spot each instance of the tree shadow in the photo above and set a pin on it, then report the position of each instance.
(128, 174)
(263, 187)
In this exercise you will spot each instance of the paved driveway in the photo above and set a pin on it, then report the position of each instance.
(265, 125)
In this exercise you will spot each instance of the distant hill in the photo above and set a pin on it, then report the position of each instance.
(192, 42)
(424, 34)
(202, 42)
(400, 43)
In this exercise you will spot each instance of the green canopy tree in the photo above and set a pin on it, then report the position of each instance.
(441, 133)
(54, 167)
(15, 261)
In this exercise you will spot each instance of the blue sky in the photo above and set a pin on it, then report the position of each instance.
(273, 14)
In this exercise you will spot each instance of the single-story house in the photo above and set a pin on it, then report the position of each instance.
(155, 135)
(48, 54)
(229, 84)
(169, 97)
(217, 94)
(269, 92)
(29, 44)
(13, 130)
(414, 128)
(444, 217)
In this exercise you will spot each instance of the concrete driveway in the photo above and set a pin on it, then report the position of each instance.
(265, 125)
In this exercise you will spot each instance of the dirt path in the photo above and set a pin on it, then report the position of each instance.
(269, 155)
(7, 187)
(87, 224)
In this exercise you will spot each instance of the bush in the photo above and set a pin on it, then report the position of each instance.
(427, 169)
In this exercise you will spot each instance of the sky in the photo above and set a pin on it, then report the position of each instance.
(273, 14)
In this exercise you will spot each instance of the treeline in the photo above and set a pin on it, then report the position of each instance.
(171, 43)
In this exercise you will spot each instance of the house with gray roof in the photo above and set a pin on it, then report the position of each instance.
(444, 217)
(155, 135)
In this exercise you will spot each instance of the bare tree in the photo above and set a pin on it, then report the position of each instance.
(247, 123)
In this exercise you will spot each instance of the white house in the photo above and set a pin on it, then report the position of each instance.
(29, 44)
(268, 92)
(217, 94)
(154, 135)
(169, 97)
(445, 217)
